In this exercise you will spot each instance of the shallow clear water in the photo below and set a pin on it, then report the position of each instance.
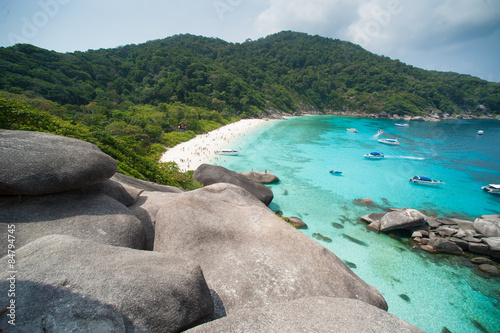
(429, 291)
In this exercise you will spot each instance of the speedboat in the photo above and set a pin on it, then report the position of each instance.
(492, 188)
(353, 130)
(402, 124)
(374, 155)
(425, 181)
(228, 152)
(335, 172)
(393, 142)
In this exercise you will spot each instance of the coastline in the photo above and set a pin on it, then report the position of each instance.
(191, 154)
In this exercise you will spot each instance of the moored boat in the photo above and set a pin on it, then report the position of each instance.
(492, 188)
(335, 172)
(393, 142)
(228, 152)
(480, 132)
(402, 124)
(374, 155)
(353, 130)
(425, 181)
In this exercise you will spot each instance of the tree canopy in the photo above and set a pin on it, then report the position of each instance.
(285, 71)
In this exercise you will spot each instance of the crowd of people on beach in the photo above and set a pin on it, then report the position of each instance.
(189, 155)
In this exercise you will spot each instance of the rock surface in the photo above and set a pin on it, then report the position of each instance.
(487, 227)
(402, 219)
(249, 256)
(95, 217)
(211, 174)
(35, 163)
(146, 208)
(122, 193)
(67, 283)
(311, 314)
(262, 177)
(144, 185)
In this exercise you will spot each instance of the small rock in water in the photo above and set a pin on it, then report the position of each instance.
(354, 240)
(337, 225)
(404, 297)
(481, 260)
(350, 264)
(490, 269)
(480, 326)
(321, 237)
(445, 330)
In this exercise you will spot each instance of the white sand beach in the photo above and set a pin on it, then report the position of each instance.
(191, 154)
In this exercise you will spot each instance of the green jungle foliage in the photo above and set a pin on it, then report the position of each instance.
(134, 100)
(287, 71)
(15, 115)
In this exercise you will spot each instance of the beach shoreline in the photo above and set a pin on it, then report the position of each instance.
(203, 148)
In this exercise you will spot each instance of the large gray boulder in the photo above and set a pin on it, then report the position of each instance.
(66, 284)
(493, 243)
(262, 177)
(249, 256)
(145, 209)
(310, 314)
(34, 163)
(212, 174)
(95, 217)
(488, 227)
(402, 219)
(443, 245)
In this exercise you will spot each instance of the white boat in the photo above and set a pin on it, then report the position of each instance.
(492, 188)
(425, 181)
(480, 132)
(393, 142)
(374, 155)
(353, 130)
(402, 124)
(228, 152)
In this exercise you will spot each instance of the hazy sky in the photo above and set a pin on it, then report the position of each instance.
(447, 35)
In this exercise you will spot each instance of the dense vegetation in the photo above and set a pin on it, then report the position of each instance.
(133, 100)
(15, 115)
(286, 71)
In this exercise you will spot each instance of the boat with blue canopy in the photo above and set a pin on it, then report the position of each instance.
(425, 180)
(374, 155)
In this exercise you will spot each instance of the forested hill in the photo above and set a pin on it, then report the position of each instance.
(287, 71)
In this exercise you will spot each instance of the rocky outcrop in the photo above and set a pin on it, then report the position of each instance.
(211, 174)
(68, 283)
(442, 234)
(96, 217)
(453, 236)
(35, 163)
(91, 273)
(262, 177)
(310, 314)
(249, 256)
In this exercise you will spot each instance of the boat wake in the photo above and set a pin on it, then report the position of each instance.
(406, 157)
(377, 135)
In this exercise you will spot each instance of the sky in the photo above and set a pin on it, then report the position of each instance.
(461, 36)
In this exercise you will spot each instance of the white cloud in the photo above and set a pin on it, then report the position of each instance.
(312, 16)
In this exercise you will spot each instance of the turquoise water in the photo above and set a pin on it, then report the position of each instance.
(429, 291)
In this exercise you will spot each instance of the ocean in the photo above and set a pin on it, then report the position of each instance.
(431, 291)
